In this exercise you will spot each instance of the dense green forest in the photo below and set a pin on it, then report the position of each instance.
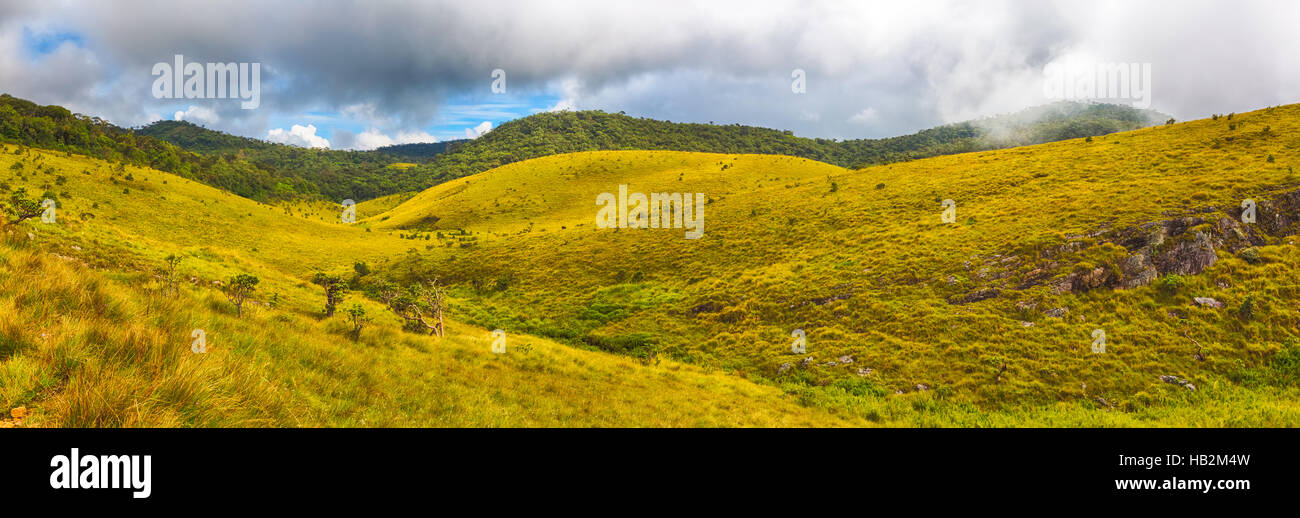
(298, 172)
(251, 168)
(265, 171)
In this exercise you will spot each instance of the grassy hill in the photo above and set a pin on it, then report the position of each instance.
(91, 336)
(909, 321)
(994, 312)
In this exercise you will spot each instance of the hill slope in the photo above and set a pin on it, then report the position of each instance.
(92, 336)
(997, 310)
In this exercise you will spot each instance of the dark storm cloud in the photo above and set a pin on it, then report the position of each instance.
(873, 68)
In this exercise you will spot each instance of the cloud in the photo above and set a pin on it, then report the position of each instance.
(302, 136)
(372, 138)
(198, 113)
(865, 116)
(397, 63)
(478, 131)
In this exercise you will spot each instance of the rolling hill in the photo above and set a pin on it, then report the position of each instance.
(909, 320)
(1135, 234)
(93, 335)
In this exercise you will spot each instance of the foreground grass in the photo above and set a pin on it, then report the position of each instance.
(81, 348)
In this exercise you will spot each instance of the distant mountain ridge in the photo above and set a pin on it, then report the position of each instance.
(267, 171)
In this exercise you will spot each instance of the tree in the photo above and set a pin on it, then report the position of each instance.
(421, 306)
(22, 208)
(172, 261)
(335, 288)
(238, 290)
(357, 316)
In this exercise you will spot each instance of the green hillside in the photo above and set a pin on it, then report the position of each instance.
(997, 310)
(908, 320)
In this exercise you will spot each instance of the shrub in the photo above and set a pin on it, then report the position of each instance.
(1247, 309)
(1171, 283)
(1250, 255)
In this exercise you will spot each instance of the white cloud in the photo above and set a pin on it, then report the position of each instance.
(919, 64)
(570, 88)
(302, 136)
(478, 131)
(199, 114)
(372, 138)
(865, 116)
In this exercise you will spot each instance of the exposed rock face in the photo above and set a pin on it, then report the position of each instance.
(1184, 245)
(1175, 380)
(1208, 302)
(1187, 256)
(975, 296)
(1137, 271)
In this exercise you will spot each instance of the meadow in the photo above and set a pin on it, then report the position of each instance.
(642, 327)
(861, 261)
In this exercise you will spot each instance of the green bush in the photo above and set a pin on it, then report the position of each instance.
(1171, 283)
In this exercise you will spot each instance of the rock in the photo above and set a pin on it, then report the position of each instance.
(1056, 313)
(846, 359)
(951, 280)
(1188, 256)
(863, 371)
(922, 387)
(784, 367)
(1137, 271)
(1175, 380)
(1026, 324)
(19, 413)
(804, 363)
(1092, 279)
(1207, 301)
(976, 296)
(1026, 305)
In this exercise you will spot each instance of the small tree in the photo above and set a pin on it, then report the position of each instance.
(238, 290)
(357, 316)
(22, 208)
(335, 288)
(172, 261)
(1247, 309)
(421, 306)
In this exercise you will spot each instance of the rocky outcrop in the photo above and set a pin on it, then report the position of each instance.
(1207, 302)
(1184, 245)
(1180, 246)
(1175, 380)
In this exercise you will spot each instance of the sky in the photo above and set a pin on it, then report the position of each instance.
(362, 74)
